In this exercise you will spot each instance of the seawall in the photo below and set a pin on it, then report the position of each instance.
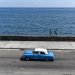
(37, 38)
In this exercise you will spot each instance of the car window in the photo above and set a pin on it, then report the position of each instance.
(35, 52)
(42, 53)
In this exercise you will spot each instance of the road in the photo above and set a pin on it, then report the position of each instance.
(11, 65)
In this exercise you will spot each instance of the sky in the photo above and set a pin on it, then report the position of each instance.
(37, 3)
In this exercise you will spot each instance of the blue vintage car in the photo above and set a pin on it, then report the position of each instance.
(38, 54)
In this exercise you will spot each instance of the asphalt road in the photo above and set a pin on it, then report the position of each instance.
(11, 65)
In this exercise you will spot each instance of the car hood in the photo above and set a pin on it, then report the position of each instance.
(51, 53)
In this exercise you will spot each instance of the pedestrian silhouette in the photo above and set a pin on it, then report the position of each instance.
(50, 32)
(56, 31)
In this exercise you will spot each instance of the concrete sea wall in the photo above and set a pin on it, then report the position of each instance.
(38, 38)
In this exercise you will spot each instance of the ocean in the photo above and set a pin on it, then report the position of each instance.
(37, 21)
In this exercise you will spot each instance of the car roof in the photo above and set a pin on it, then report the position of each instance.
(41, 49)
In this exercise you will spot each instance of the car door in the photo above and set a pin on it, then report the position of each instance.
(35, 55)
(42, 55)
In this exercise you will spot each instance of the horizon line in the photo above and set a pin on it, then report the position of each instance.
(37, 7)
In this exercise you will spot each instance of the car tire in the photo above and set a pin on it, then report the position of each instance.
(27, 59)
(22, 59)
(47, 59)
(52, 60)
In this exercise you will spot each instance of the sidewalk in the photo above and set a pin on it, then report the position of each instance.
(38, 44)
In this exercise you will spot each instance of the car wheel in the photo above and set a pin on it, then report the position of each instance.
(27, 59)
(52, 60)
(47, 59)
(22, 59)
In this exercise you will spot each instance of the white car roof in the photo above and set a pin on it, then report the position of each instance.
(41, 49)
